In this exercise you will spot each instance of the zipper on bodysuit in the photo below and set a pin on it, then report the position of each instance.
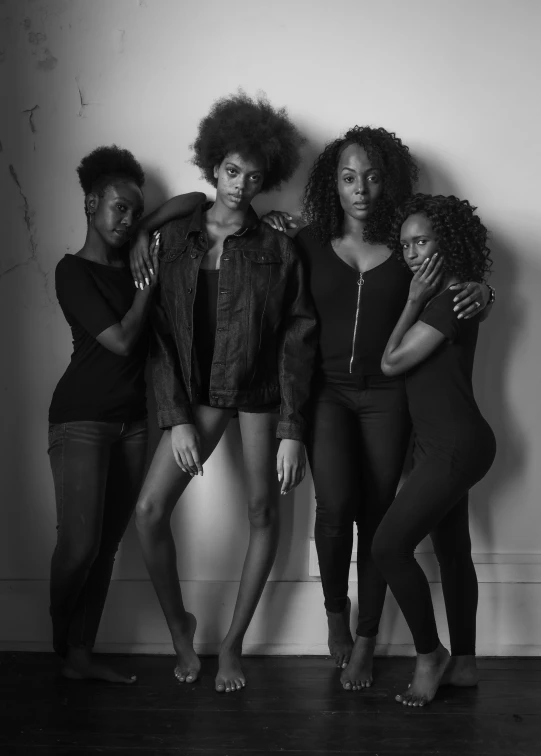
(360, 283)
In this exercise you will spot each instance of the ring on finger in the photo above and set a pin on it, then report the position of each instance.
(477, 304)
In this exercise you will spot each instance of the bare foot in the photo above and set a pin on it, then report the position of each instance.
(81, 665)
(188, 664)
(462, 672)
(230, 676)
(340, 640)
(429, 671)
(358, 673)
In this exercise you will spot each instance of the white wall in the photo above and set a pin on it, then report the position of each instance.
(458, 80)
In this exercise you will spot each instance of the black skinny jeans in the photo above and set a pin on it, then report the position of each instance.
(434, 499)
(359, 437)
(97, 470)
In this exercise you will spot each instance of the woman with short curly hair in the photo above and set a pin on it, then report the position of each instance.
(443, 242)
(359, 421)
(98, 429)
(234, 334)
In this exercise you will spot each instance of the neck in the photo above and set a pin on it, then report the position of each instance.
(225, 216)
(353, 228)
(97, 250)
(447, 280)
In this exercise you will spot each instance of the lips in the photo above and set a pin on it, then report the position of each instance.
(361, 205)
(236, 197)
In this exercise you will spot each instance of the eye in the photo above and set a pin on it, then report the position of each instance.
(422, 242)
(256, 178)
(374, 178)
(121, 207)
(348, 179)
(232, 171)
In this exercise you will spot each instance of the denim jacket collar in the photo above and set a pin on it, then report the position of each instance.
(196, 223)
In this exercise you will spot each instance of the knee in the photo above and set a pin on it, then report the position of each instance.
(149, 514)
(261, 512)
(334, 521)
(75, 556)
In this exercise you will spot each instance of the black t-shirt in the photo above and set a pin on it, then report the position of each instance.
(98, 384)
(440, 393)
(334, 285)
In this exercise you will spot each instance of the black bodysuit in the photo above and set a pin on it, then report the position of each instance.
(454, 448)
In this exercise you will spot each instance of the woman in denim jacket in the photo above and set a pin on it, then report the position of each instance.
(234, 332)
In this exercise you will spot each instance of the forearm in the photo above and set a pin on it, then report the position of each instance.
(133, 321)
(391, 355)
(176, 207)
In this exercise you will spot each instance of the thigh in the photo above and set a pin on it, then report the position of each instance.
(126, 471)
(259, 449)
(165, 481)
(422, 502)
(80, 453)
(384, 427)
(333, 451)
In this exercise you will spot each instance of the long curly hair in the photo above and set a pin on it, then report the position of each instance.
(249, 127)
(321, 205)
(462, 237)
(106, 164)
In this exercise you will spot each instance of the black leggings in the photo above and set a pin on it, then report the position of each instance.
(357, 445)
(434, 500)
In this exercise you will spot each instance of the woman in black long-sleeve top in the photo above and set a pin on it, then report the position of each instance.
(359, 420)
(454, 446)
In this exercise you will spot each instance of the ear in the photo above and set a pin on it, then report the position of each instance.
(91, 203)
(216, 170)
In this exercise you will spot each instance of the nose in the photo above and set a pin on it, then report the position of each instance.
(410, 252)
(362, 187)
(128, 219)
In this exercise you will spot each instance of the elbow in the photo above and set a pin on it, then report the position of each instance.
(122, 347)
(388, 369)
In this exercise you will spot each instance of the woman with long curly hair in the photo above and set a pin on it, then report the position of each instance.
(359, 420)
(98, 428)
(442, 242)
(234, 333)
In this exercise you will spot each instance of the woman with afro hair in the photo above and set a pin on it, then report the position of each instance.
(234, 333)
(442, 242)
(359, 420)
(98, 430)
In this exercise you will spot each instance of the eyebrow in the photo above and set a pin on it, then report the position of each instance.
(354, 170)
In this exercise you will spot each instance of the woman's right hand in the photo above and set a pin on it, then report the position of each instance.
(279, 220)
(186, 444)
(144, 259)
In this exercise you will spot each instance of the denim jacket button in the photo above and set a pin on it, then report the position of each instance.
(194, 255)
(226, 258)
(190, 290)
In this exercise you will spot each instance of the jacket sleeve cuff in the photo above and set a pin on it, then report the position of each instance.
(176, 416)
(294, 431)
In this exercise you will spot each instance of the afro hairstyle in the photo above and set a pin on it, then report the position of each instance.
(103, 165)
(239, 124)
(462, 237)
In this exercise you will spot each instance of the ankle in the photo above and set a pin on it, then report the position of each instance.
(231, 646)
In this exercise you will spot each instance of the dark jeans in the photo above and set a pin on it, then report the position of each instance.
(97, 470)
(359, 438)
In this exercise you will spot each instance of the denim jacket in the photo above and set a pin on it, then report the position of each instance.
(265, 332)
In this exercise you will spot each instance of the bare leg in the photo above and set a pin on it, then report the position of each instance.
(259, 449)
(164, 484)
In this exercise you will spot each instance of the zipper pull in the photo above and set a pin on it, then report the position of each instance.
(360, 282)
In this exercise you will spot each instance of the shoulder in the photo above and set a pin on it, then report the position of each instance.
(280, 243)
(70, 267)
(175, 232)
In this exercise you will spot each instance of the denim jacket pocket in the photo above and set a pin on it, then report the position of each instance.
(171, 253)
(262, 256)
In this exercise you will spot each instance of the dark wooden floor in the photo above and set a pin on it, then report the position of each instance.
(291, 705)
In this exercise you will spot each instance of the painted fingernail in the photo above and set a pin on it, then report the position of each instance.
(147, 281)
(151, 271)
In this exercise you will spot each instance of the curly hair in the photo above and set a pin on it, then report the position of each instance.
(321, 204)
(251, 128)
(103, 165)
(461, 236)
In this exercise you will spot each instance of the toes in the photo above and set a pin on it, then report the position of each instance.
(220, 687)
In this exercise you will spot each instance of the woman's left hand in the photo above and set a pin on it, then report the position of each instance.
(426, 281)
(290, 464)
(472, 297)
